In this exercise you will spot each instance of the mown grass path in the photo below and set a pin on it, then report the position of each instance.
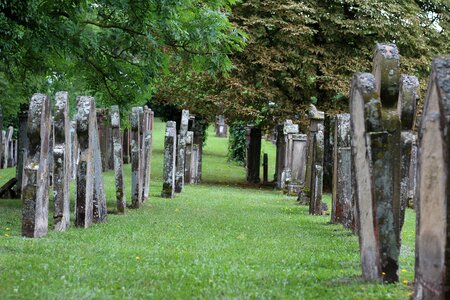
(220, 239)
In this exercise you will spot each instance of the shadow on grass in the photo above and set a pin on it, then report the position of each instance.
(240, 184)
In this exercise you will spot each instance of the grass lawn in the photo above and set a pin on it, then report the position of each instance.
(219, 239)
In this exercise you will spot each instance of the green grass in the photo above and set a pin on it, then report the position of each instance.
(220, 239)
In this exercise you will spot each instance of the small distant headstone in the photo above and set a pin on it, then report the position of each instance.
(7, 145)
(136, 183)
(61, 159)
(221, 126)
(36, 168)
(170, 148)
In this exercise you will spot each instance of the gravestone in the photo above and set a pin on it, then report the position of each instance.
(280, 143)
(253, 160)
(221, 126)
(105, 140)
(90, 196)
(413, 174)
(194, 163)
(433, 195)
(315, 201)
(74, 151)
(408, 96)
(7, 145)
(298, 163)
(147, 150)
(35, 173)
(126, 146)
(136, 165)
(197, 128)
(121, 201)
(22, 147)
(170, 149)
(181, 150)
(289, 129)
(188, 161)
(61, 162)
(342, 202)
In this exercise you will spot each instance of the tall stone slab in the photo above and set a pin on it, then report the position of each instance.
(289, 129)
(197, 128)
(413, 174)
(181, 151)
(221, 126)
(118, 159)
(90, 195)
(35, 174)
(126, 145)
(74, 150)
(7, 147)
(169, 168)
(194, 163)
(253, 160)
(22, 146)
(342, 202)
(147, 151)
(298, 161)
(315, 201)
(280, 158)
(104, 134)
(188, 157)
(433, 210)
(136, 165)
(61, 162)
(363, 92)
(316, 118)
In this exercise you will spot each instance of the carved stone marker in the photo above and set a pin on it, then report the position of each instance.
(181, 150)
(253, 160)
(35, 173)
(188, 161)
(105, 139)
(197, 128)
(7, 147)
(90, 196)
(342, 205)
(298, 161)
(126, 146)
(118, 159)
(221, 126)
(315, 201)
(61, 162)
(136, 165)
(289, 129)
(433, 203)
(147, 151)
(170, 149)
(74, 149)
(22, 146)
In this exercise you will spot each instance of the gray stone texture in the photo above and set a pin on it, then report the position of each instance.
(136, 165)
(315, 202)
(169, 167)
(36, 168)
(22, 147)
(121, 201)
(7, 147)
(61, 162)
(188, 157)
(253, 160)
(342, 202)
(221, 126)
(181, 151)
(147, 151)
(433, 193)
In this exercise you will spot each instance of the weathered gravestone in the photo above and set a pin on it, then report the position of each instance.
(74, 149)
(126, 145)
(253, 160)
(298, 163)
(317, 155)
(36, 168)
(285, 147)
(7, 147)
(136, 164)
(413, 174)
(316, 118)
(147, 151)
(433, 204)
(170, 149)
(90, 196)
(181, 151)
(22, 146)
(197, 128)
(342, 203)
(118, 159)
(221, 126)
(379, 112)
(188, 160)
(195, 159)
(105, 139)
(61, 162)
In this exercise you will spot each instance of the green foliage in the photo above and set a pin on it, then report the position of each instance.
(220, 239)
(237, 144)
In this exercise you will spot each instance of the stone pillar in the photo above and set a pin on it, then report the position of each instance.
(280, 157)
(104, 133)
(170, 148)
(253, 154)
(194, 164)
(342, 205)
(181, 150)
(8, 140)
(61, 162)
(413, 174)
(136, 183)
(221, 126)
(121, 201)
(198, 140)
(289, 129)
(315, 201)
(35, 173)
(90, 197)
(298, 163)
(74, 150)
(188, 157)
(22, 147)
(316, 118)
(433, 193)
(126, 146)
(406, 108)
(147, 150)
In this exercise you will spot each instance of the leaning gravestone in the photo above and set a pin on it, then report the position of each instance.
(169, 160)
(90, 196)
(61, 162)
(181, 150)
(342, 204)
(36, 169)
(433, 204)
(118, 159)
(22, 146)
(136, 165)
